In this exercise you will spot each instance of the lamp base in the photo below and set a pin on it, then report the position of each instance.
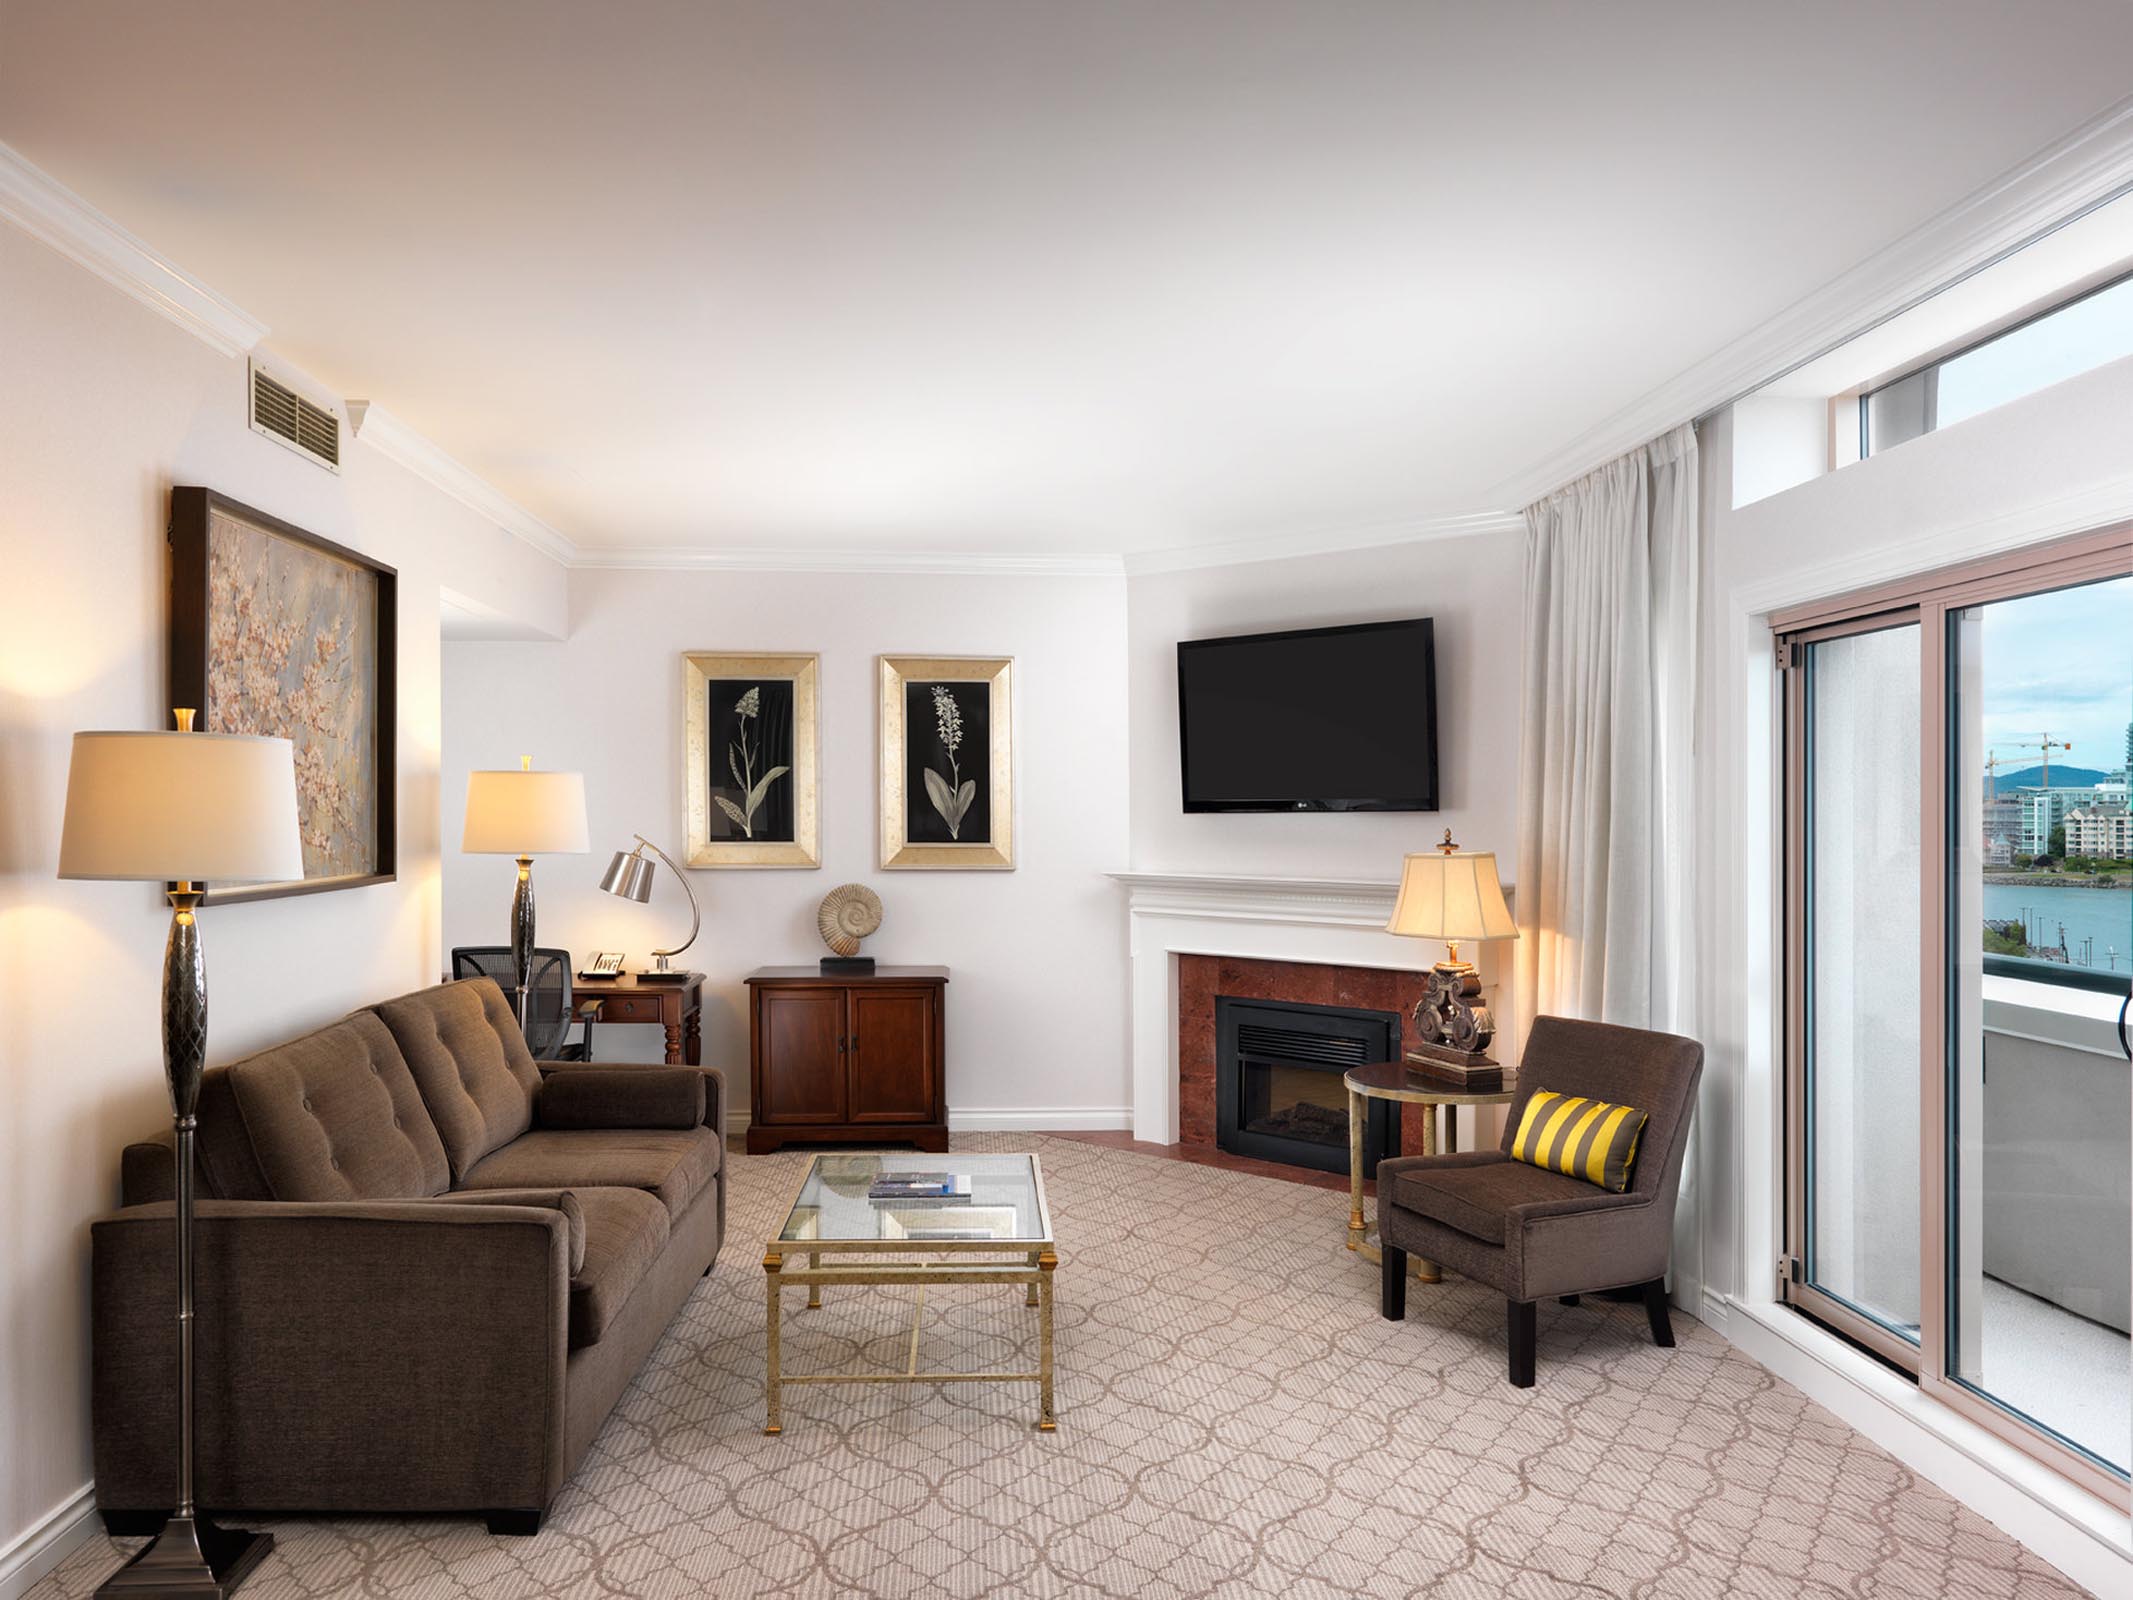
(191, 1559)
(1473, 1070)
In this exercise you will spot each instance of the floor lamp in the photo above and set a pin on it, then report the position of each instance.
(525, 814)
(184, 809)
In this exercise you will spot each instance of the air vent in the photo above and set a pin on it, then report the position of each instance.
(279, 412)
(1260, 1042)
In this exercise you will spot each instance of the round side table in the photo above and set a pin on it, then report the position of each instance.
(1393, 1080)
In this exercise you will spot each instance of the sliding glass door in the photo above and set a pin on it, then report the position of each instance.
(1958, 892)
(1859, 716)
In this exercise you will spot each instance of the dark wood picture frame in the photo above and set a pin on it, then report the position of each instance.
(192, 511)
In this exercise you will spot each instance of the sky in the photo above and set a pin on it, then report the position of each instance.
(2060, 663)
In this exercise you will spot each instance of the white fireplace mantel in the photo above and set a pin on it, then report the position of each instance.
(1334, 921)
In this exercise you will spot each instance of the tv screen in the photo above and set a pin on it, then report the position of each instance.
(1321, 719)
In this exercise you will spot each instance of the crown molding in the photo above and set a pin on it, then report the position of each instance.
(1323, 542)
(392, 438)
(2087, 168)
(915, 563)
(46, 209)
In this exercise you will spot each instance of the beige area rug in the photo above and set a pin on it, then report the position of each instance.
(1234, 1419)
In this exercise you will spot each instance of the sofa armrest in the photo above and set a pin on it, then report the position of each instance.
(620, 1097)
(712, 1078)
(349, 1355)
(549, 1199)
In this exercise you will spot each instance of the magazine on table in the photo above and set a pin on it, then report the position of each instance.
(902, 1186)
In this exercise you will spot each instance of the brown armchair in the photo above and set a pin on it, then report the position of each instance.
(1531, 1233)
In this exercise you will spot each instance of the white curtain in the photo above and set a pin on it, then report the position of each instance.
(1607, 714)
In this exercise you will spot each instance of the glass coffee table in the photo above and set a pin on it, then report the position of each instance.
(1000, 1234)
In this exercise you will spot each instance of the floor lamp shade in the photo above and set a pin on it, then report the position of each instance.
(200, 807)
(526, 814)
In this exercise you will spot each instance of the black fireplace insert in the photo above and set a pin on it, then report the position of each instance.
(1278, 1089)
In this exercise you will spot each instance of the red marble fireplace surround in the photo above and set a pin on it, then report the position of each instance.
(1202, 978)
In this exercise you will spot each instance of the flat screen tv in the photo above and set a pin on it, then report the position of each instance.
(1320, 719)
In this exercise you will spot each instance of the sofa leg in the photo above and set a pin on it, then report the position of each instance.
(134, 1524)
(1525, 1333)
(1655, 1308)
(517, 1524)
(1392, 1283)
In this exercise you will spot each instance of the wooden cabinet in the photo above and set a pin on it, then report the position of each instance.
(836, 1058)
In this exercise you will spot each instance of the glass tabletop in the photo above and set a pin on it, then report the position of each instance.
(1004, 1201)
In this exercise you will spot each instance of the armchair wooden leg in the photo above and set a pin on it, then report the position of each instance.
(1655, 1309)
(1392, 1282)
(1525, 1333)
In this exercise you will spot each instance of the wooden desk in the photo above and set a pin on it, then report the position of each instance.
(677, 1006)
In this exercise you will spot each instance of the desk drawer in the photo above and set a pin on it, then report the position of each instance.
(630, 1008)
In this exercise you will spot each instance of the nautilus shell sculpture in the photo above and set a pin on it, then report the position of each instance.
(848, 914)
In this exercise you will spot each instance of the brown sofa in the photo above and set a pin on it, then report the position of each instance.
(1530, 1233)
(427, 1268)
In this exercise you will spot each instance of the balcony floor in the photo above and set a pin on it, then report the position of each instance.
(2073, 1375)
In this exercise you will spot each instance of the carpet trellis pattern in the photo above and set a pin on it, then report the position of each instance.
(1234, 1420)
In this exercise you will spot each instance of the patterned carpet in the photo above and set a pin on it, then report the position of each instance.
(1235, 1420)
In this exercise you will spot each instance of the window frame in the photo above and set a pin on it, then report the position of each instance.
(1860, 398)
(1931, 599)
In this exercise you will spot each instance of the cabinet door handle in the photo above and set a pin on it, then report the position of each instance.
(840, 1046)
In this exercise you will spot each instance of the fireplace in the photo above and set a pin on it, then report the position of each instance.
(1278, 1089)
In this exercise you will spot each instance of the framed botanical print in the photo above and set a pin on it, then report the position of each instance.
(752, 751)
(947, 762)
(276, 631)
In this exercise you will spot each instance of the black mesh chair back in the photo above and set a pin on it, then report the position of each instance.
(548, 1009)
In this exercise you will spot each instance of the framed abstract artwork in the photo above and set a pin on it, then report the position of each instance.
(947, 762)
(276, 631)
(751, 755)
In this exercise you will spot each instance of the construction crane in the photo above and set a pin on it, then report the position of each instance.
(2043, 743)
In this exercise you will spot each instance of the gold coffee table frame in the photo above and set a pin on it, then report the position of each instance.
(1393, 1080)
(1035, 1260)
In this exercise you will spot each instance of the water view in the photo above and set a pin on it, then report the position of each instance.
(2098, 922)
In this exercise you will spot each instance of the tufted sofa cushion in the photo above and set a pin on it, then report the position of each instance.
(333, 1115)
(470, 1062)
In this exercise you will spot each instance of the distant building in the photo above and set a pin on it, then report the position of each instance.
(2101, 831)
(2002, 820)
(1999, 851)
(2044, 809)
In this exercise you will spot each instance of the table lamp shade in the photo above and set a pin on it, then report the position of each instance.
(1452, 897)
(526, 814)
(204, 807)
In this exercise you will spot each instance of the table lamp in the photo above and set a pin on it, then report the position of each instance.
(525, 814)
(185, 809)
(629, 875)
(1453, 895)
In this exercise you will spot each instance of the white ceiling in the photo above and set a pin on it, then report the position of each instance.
(1086, 276)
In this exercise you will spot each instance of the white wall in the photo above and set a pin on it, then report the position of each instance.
(103, 406)
(1471, 586)
(1037, 993)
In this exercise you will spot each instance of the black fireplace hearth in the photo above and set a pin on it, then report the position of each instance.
(1278, 1089)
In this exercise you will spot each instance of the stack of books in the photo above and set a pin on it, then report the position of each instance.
(907, 1186)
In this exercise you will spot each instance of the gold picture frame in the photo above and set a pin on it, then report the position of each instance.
(947, 790)
(752, 759)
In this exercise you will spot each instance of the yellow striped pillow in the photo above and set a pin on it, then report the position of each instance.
(1580, 1138)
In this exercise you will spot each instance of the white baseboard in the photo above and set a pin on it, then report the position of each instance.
(2088, 1540)
(1712, 1312)
(31, 1554)
(1038, 1119)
